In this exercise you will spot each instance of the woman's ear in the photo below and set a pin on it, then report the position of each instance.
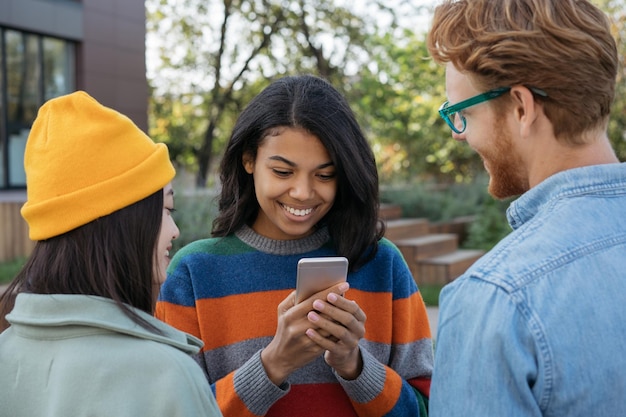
(248, 163)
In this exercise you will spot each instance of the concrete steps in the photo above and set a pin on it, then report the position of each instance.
(423, 247)
(447, 267)
(399, 229)
(390, 211)
(431, 250)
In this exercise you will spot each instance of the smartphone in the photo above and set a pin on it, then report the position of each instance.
(317, 274)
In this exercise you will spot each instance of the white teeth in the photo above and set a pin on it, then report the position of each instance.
(298, 212)
(167, 253)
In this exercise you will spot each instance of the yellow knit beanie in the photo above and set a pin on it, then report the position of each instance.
(84, 161)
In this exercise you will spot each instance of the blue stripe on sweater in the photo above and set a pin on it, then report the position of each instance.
(234, 269)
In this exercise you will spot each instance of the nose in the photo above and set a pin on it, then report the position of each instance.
(175, 230)
(459, 137)
(301, 188)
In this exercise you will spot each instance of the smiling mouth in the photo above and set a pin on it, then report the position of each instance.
(297, 212)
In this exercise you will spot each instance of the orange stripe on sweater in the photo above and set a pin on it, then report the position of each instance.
(408, 324)
(181, 317)
(228, 401)
(410, 314)
(235, 318)
(382, 404)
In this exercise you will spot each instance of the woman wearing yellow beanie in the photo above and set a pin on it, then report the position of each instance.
(82, 339)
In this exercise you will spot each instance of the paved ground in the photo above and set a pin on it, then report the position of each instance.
(433, 315)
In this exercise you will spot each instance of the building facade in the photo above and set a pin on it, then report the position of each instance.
(53, 47)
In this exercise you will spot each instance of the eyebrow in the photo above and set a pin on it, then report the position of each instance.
(293, 164)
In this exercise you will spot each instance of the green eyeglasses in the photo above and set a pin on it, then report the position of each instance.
(455, 119)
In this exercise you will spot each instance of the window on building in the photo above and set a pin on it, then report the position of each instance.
(34, 68)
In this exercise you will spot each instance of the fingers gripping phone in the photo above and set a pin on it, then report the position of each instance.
(317, 274)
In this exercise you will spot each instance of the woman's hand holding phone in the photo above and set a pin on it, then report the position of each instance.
(293, 345)
(291, 348)
(339, 325)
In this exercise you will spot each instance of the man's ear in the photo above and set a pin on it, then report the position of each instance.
(248, 163)
(526, 109)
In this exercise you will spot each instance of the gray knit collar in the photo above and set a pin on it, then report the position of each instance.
(283, 247)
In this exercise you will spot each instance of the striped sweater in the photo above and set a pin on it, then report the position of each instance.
(226, 291)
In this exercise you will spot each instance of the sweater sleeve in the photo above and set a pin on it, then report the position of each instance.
(401, 385)
(176, 304)
(380, 391)
(248, 391)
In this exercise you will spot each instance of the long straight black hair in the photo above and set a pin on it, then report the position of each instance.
(112, 257)
(313, 104)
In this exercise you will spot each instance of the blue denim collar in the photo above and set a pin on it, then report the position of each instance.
(597, 178)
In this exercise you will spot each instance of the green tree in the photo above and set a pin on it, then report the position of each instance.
(215, 55)
(617, 124)
(201, 69)
(398, 95)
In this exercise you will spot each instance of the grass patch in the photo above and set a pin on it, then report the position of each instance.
(430, 294)
(8, 270)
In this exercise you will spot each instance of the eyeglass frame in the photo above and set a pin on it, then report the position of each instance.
(445, 111)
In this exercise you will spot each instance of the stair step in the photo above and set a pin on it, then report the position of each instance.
(390, 211)
(426, 246)
(459, 225)
(445, 268)
(397, 229)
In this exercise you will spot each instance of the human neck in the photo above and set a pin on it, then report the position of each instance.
(556, 157)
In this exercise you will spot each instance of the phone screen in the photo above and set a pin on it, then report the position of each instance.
(317, 274)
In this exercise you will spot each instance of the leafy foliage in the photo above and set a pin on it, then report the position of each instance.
(208, 58)
(444, 203)
(8, 270)
(489, 226)
(617, 123)
(215, 55)
(439, 202)
(399, 95)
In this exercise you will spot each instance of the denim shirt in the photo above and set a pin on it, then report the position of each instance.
(537, 326)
